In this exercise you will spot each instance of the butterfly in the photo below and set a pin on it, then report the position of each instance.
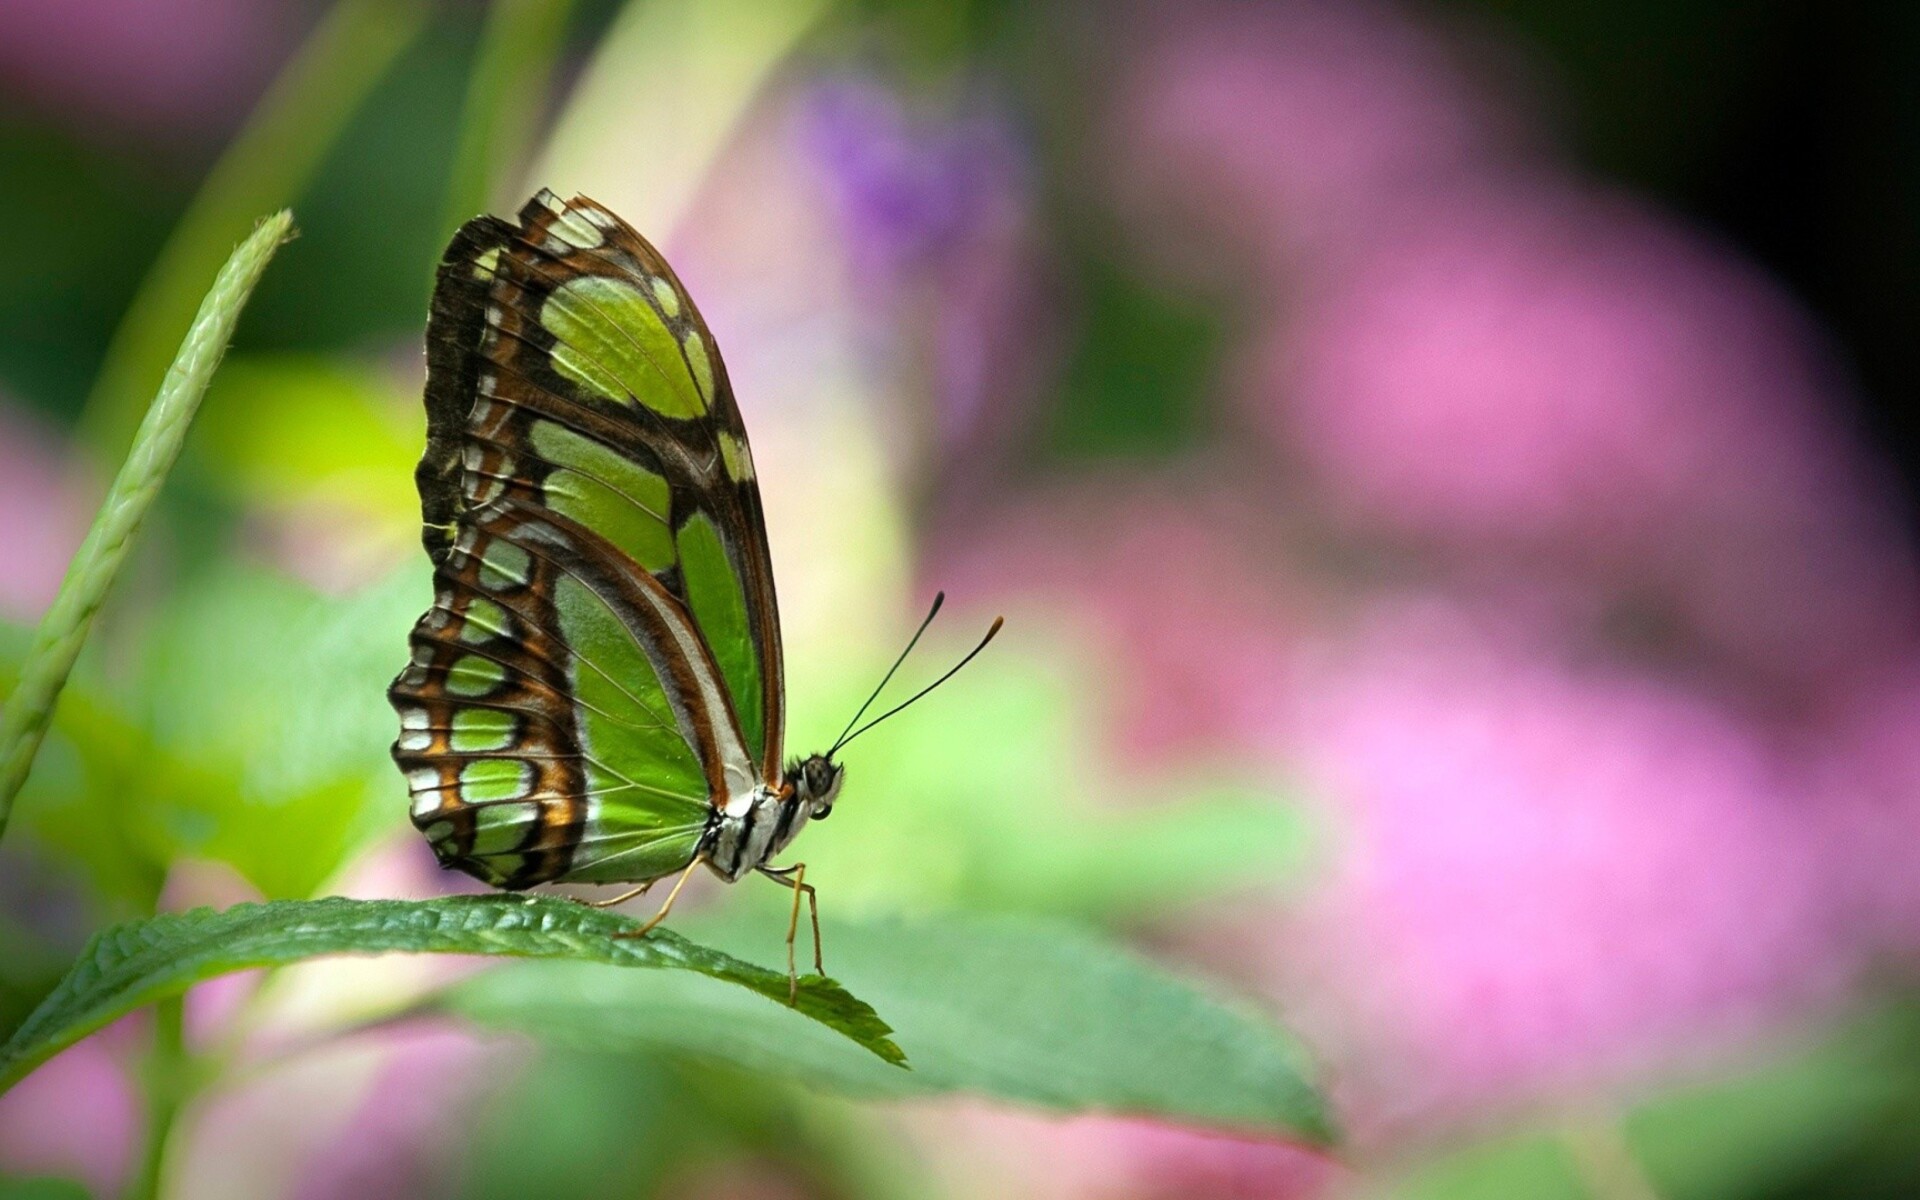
(596, 695)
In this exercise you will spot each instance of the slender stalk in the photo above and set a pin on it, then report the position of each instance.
(63, 630)
(645, 149)
(169, 1082)
(266, 167)
(504, 99)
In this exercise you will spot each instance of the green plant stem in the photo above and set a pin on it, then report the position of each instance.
(1606, 1164)
(516, 57)
(63, 630)
(665, 91)
(169, 1081)
(266, 167)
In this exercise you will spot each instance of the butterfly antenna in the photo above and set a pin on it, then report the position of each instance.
(939, 598)
(951, 672)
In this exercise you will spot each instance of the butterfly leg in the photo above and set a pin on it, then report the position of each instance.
(795, 877)
(666, 908)
(623, 897)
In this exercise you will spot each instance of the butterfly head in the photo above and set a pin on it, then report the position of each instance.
(816, 784)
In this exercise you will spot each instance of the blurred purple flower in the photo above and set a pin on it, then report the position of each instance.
(1551, 875)
(1539, 372)
(908, 189)
(44, 504)
(932, 210)
(78, 1116)
(176, 67)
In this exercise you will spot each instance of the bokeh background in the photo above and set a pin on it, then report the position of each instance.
(1447, 469)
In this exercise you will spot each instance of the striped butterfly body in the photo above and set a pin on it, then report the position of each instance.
(595, 695)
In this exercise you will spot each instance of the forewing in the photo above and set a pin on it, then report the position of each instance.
(588, 338)
(602, 660)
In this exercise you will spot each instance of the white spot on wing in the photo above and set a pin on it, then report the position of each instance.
(573, 230)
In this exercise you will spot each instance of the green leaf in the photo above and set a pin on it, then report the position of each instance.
(155, 448)
(143, 961)
(1018, 1009)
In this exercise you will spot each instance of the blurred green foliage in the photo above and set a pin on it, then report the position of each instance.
(212, 742)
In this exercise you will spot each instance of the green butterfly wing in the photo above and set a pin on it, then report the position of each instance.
(601, 667)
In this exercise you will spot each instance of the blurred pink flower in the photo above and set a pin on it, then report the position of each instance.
(1543, 374)
(1529, 363)
(176, 67)
(1183, 589)
(405, 1140)
(1503, 369)
(1109, 1158)
(1869, 774)
(1290, 124)
(1552, 875)
(78, 1116)
(381, 1111)
(44, 508)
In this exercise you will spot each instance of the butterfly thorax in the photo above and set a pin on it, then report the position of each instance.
(752, 829)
